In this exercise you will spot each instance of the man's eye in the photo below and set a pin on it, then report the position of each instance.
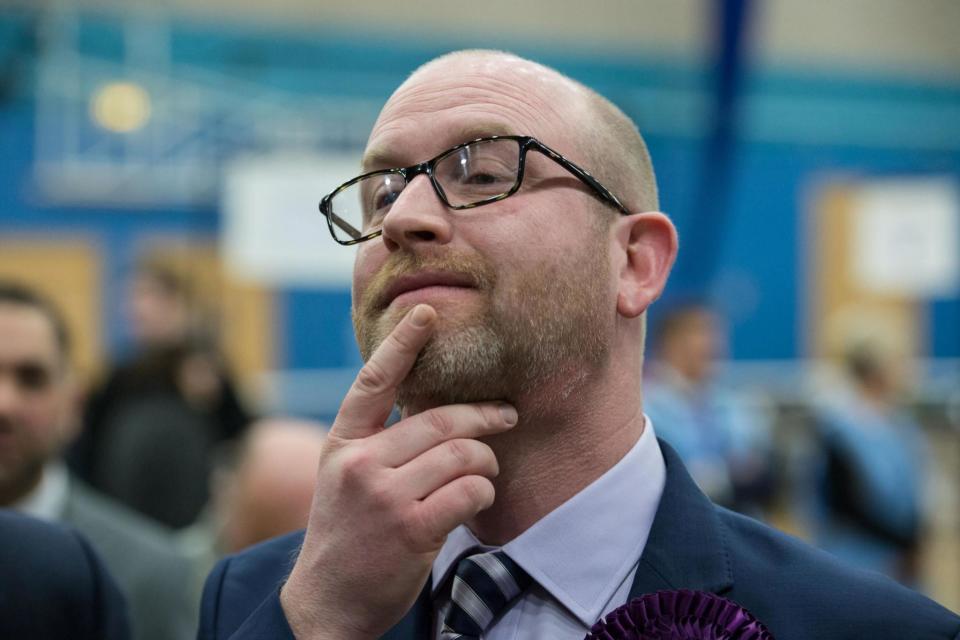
(378, 205)
(488, 173)
(385, 199)
(478, 177)
(33, 377)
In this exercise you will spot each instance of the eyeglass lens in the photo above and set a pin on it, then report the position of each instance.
(466, 176)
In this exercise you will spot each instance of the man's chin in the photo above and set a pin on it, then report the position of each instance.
(458, 364)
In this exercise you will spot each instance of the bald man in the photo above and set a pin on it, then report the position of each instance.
(261, 488)
(270, 490)
(509, 247)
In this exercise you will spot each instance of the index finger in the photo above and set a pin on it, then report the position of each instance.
(371, 396)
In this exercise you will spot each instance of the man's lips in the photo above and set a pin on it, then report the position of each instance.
(423, 280)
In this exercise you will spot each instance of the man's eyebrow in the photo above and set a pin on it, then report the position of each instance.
(383, 157)
(378, 158)
(474, 131)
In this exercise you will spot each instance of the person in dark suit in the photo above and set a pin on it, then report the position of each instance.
(509, 247)
(36, 408)
(54, 585)
(795, 590)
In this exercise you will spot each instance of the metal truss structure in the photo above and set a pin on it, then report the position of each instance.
(199, 117)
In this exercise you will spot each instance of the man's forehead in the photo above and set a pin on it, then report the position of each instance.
(389, 150)
(26, 332)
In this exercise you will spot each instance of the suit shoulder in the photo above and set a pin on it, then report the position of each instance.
(272, 558)
(773, 571)
(59, 585)
(33, 550)
(240, 583)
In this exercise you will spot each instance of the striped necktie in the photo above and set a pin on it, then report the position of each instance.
(483, 586)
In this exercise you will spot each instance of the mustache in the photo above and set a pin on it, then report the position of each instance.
(470, 268)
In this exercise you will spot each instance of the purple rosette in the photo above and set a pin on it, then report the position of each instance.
(679, 615)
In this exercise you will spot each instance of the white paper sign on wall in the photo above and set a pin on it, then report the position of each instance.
(273, 233)
(906, 237)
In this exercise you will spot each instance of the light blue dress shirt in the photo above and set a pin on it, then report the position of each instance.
(582, 555)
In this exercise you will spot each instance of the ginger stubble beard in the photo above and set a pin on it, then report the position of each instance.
(547, 323)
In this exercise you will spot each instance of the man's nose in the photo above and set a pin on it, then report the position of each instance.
(9, 395)
(418, 216)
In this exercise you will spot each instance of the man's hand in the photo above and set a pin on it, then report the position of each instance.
(387, 498)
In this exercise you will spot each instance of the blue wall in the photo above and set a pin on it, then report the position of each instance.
(760, 272)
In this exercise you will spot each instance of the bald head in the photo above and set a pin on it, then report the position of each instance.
(612, 148)
(271, 488)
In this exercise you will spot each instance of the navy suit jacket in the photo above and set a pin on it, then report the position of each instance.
(53, 586)
(798, 592)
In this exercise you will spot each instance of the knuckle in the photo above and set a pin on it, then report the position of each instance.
(372, 377)
(381, 496)
(400, 340)
(418, 527)
(356, 463)
(361, 477)
(459, 450)
(440, 422)
(477, 491)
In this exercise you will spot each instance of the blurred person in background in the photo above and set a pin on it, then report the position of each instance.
(724, 442)
(150, 428)
(55, 586)
(261, 487)
(870, 471)
(37, 420)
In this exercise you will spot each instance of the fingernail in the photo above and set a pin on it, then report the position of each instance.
(509, 414)
(420, 315)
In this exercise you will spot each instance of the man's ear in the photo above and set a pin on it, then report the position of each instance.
(649, 241)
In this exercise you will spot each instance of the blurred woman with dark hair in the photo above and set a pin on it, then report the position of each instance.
(149, 428)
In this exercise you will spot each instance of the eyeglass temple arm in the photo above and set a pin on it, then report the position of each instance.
(582, 175)
(343, 224)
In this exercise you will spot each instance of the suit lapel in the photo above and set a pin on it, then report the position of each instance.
(416, 625)
(686, 548)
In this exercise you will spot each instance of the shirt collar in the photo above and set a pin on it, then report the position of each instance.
(583, 550)
(49, 498)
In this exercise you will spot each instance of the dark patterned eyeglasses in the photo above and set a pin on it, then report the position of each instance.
(469, 175)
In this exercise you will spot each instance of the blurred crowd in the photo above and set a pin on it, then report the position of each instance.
(856, 488)
(159, 465)
(165, 468)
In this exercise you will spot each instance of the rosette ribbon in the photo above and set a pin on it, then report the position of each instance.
(679, 615)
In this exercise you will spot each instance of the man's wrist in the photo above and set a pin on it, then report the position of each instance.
(308, 622)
